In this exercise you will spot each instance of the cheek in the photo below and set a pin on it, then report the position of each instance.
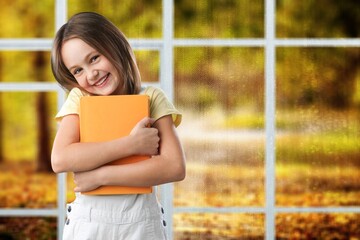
(82, 82)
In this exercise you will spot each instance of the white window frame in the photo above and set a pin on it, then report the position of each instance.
(166, 47)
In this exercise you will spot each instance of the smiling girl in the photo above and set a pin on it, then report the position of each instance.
(91, 56)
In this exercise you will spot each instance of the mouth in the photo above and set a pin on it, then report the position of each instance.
(102, 81)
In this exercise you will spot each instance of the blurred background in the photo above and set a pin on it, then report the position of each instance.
(220, 88)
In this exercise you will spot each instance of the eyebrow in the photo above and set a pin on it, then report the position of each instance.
(86, 57)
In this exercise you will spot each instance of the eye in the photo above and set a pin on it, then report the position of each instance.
(77, 71)
(94, 58)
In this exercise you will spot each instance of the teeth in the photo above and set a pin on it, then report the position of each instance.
(101, 81)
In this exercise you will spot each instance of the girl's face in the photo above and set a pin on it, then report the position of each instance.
(92, 70)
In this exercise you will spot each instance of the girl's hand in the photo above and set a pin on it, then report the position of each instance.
(146, 138)
(86, 181)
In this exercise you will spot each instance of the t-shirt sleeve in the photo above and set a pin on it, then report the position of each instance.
(160, 105)
(71, 105)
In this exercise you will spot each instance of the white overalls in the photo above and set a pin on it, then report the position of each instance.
(120, 217)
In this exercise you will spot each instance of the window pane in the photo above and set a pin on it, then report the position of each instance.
(20, 66)
(149, 65)
(219, 19)
(318, 19)
(136, 19)
(318, 140)
(27, 19)
(218, 226)
(28, 228)
(317, 226)
(27, 130)
(220, 93)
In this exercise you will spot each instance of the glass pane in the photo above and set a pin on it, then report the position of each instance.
(27, 129)
(318, 140)
(20, 66)
(213, 226)
(220, 93)
(136, 19)
(27, 19)
(149, 65)
(28, 228)
(219, 19)
(318, 226)
(318, 19)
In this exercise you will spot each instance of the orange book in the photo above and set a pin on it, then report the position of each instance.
(105, 118)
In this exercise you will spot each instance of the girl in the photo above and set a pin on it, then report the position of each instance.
(90, 56)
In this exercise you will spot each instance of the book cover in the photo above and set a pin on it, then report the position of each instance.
(105, 118)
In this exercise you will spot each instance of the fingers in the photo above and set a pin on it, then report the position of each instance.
(76, 189)
(145, 137)
(146, 122)
(143, 123)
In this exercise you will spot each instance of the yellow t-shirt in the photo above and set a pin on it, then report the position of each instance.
(160, 105)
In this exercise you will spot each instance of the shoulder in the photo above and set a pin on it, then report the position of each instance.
(156, 95)
(77, 93)
(153, 91)
(71, 105)
(160, 105)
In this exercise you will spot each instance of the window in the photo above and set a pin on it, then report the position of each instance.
(270, 94)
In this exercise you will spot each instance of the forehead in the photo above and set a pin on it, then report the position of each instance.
(74, 51)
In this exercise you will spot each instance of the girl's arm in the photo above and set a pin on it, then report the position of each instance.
(167, 166)
(70, 155)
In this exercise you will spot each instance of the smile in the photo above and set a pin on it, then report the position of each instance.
(102, 81)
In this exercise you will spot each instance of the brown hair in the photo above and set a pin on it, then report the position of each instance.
(107, 39)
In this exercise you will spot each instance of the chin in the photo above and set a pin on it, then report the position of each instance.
(106, 92)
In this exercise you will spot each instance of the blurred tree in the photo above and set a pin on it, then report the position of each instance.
(16, 18)
(39, 67)
(336, 69)
(330, 82)
(1, 117)
(341, 89)
(136, 19)
(317, 76)
(226, 77)
(219, 18)
(42, 112)
(318, 19)
(1, 108)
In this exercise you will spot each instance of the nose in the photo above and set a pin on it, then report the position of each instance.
(92, 74)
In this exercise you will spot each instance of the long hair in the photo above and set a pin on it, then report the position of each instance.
(102, 35)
